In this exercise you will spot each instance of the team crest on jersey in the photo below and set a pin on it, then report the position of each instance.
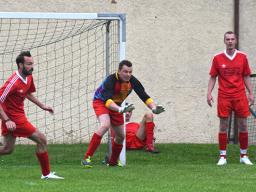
(20, 91)
(223, 66)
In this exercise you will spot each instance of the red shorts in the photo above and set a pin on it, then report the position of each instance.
(99, 107)
(239, 106)
(132, 141)
(25, 129)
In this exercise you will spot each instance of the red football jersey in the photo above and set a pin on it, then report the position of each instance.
(230, 72)
(13, 94)
(132, 127)
(132, 141)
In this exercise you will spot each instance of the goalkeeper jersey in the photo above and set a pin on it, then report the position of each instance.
(115, 89)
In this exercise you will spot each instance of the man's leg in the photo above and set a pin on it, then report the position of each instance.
(224, 110)
(242, 112)
(141, 132)
(223, 141)
(8, 144)
(146, 130)
(42, 155)
(41, 151)
(117, 144)
(243, 135)
(243, 140)
(104, 121)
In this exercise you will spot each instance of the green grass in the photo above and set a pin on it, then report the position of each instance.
(179, 167)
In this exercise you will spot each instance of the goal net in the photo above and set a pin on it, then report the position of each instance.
(73, 53)
(251, 121)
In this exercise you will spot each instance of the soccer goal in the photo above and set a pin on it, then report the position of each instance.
(73, 53)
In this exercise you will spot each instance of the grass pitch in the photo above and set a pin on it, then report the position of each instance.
(179, 167)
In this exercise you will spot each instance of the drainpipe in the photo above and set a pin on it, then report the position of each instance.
(236, 21)
(232, 127)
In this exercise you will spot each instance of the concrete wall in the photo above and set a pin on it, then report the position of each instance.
(171, 43)
(247, 38)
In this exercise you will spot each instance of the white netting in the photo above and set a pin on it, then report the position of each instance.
(70, 63)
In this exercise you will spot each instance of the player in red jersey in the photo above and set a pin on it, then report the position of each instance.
(233, 72)
(140, 135)
(107, 106)
(14, 121)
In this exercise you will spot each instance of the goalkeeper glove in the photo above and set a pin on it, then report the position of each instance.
(126, 108)
(158, 109)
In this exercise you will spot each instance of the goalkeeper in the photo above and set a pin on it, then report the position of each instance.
(107, 106)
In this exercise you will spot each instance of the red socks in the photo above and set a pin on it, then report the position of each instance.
(95, 142)
(44, 162)
(116, 150)
(149, 134)
(243, 140)
(223, 144)
(222, 141)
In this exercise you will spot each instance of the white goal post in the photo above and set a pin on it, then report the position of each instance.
(73, 53)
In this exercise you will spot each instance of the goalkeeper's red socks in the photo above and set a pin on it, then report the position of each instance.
(44, 162)
(95, 142)
(223, 144)
(149, 126)
(243, 140)
(116, 150)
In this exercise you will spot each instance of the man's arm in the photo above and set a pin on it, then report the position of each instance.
(211, 85)
(32, 98)
(113, 106)
(140, 91)
(248, 85)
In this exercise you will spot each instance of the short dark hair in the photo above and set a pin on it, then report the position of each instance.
(124, 62)
(229, 32)
(20, 57)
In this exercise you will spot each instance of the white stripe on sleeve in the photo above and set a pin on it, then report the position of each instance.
(8, 88)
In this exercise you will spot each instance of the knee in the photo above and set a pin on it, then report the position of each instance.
(42, 140)
(242, 127)
(103, 129)
(223, 129)
(223, 125)
(148, 117)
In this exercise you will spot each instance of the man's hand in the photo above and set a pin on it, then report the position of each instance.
(11, 126)
(47, 108)
(126, 108)
(210, 100)
(158, 109)
(251, 99)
